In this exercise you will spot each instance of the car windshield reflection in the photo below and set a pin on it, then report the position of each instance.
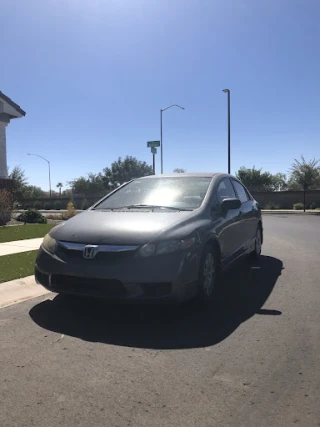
(178, 193)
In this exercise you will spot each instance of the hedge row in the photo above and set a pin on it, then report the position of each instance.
(57, 205)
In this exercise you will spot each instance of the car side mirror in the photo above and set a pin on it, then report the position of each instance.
(228, 204)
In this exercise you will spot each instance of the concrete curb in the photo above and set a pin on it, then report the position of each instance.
(20, 290)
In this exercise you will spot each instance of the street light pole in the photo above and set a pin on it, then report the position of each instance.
(29, 154)
(161, 148)
(161, 141)
(229, 145)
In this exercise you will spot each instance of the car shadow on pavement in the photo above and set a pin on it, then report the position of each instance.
(245, 289)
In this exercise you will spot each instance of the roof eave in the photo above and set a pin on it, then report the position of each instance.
(13, 104)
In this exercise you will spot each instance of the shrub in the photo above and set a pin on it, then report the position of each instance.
(37, 205)
(6, 207)
(317, 209)
(313, 205)
(47, 206)
(32, 216)
(57, 205)
(26, 206)
(271, 206)
(298, 206)
(70, 211)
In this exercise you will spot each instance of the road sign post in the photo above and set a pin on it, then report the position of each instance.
(154, 152)
(153, 145)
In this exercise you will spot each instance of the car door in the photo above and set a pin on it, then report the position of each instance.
(227, 225)
(248, 219)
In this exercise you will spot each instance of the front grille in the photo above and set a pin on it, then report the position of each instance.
(89, 286)
(70, 255)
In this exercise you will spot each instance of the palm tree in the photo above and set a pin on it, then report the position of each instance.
(59, 185)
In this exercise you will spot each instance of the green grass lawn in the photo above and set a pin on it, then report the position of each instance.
(16, 266)
(21, 232)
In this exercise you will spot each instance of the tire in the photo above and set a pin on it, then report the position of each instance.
(255, 255)
(209, 274)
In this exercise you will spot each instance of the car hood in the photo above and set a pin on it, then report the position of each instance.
(114, 228)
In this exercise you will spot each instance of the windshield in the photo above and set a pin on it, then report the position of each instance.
(176, 192)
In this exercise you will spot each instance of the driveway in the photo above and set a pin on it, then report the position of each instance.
(253, 360)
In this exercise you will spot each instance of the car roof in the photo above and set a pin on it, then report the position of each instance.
(187, 174)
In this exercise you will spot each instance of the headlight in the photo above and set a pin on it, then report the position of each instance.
(49, 244)
(166, 247)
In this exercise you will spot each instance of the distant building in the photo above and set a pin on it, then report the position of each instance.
(8, 110)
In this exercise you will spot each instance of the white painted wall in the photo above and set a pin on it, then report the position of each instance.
(7, 112)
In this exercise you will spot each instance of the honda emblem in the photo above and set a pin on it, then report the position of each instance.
(90, 251)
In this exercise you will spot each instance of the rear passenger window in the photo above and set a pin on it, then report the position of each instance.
(241, 192)
(225, 190)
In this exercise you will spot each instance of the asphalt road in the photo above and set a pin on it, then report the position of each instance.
(252, 361)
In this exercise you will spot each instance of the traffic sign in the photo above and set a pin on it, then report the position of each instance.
(153, 144)
(153, 150)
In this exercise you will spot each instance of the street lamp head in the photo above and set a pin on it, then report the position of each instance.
(170, 106)
(225, 90)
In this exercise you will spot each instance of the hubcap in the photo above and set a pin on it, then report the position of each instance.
(258, 242)
(208, 274)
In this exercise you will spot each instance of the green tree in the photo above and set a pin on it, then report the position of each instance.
(80, 186)
(67, 193)
(32, 192)
(60, 185)
(92, 185)
(21, 190)
(305, 175)
(280, 182)
(256, 180)
(179, 170)
(122, 171)
(97, 184)
(19, 182)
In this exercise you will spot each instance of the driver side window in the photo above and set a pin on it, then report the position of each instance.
(224, 191)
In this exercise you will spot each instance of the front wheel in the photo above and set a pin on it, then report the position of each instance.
(209, 274)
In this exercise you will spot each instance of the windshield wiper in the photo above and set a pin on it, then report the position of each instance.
(172, 208)
(137, 206)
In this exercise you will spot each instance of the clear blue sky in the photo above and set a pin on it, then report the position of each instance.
(92, 76)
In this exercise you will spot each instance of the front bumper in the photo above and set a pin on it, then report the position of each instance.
(166, 277)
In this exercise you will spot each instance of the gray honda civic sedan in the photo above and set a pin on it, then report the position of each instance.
(166, 237)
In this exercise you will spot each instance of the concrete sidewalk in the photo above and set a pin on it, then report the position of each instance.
(20, 246)
(291, 211)
(20, 290)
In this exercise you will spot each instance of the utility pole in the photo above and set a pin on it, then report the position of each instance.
(43, 158)
(229, 143)
(161, 140)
